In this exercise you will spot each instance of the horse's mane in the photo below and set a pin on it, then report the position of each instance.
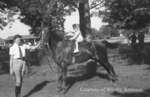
(54, 38)
(59, 46)
(56, 35)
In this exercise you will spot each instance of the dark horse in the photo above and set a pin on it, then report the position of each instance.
(62, 54)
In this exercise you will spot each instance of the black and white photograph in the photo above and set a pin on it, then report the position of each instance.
(74, 48)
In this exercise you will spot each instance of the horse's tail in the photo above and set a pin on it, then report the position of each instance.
(110, 45)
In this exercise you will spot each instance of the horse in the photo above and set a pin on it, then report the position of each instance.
(62, 54)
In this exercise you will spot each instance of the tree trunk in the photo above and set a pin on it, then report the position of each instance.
(84, 14)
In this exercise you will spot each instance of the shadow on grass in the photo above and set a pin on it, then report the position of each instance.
(72, 80)
(145, 93)
(135, 55)
(90, 73)
(37, 88)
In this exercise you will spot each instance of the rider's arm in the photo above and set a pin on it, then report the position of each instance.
(71, 34)
(76, 34)
(33, 47)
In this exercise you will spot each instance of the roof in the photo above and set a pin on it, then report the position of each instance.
(2, 40)
(23, 37)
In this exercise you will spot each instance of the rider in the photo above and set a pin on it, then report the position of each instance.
(76, 36)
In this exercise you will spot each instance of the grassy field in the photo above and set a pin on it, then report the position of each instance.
(134, 77)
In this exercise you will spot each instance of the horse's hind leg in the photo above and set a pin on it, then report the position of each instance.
(109, 68)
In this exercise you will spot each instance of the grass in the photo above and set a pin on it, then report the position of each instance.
(135, 56)
(123, 53)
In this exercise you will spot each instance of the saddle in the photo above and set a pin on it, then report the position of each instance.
(84, 47)
(83, 44)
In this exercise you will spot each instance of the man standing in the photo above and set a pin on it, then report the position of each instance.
(17, 62)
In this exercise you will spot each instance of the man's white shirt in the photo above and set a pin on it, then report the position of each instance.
(14, 50)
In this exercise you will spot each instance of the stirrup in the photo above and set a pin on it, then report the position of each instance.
(76, 53)
(73, 60)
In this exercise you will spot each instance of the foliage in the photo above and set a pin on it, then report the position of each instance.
(41, 13)
(128, 14)
(7, 16)
(106, 31)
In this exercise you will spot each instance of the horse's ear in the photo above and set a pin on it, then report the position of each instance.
(44, 35)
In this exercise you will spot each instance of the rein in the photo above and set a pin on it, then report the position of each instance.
(48, 49)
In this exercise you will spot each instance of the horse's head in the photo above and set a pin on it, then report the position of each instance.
(43, 37)
(51, 38)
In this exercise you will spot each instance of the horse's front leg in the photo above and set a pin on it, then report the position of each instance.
(64, 75)
(59, 78)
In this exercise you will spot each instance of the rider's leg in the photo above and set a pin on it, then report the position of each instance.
(76, 47)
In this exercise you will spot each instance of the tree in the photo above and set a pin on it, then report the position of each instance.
(84, 12)
(40, 13)
(128, 14)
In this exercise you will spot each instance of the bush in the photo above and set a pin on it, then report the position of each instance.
(105, 32)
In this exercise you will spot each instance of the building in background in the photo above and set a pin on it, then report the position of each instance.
(2, 43)
(11, 24)
(26, 38)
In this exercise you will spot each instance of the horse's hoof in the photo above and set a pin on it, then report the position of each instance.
(63, 90)
(59, 89)
(116, 76)
(113, 78)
